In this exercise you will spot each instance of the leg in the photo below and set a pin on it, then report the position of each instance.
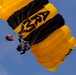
(19, 47)
(22, 52)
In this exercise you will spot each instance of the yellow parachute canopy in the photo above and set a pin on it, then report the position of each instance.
(41, 24)
(53, 50)
(8, 7)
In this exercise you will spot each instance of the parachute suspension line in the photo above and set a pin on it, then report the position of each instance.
(22, 15)
(17, 15)
(22, 27)
(18, 18)
(28, 13)
(42, 28)
(30, 9)
(45, 35)
(13, 22)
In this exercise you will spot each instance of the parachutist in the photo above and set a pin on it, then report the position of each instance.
(23, 46)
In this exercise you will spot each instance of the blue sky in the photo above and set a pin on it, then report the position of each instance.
(12, 63)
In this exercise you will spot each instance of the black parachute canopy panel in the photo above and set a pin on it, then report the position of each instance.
(43, 2)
